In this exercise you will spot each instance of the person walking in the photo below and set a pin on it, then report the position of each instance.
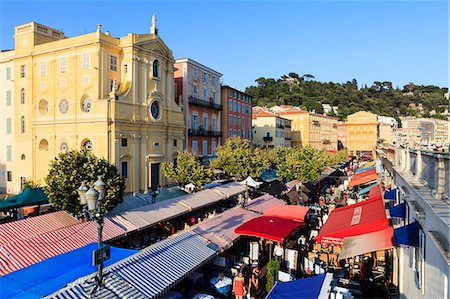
(278, 252)
(238, 286)
(253, 287)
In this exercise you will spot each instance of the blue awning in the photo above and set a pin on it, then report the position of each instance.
(300, 288)
(50, 275)
(398, 211)
(391, 195)
(367, 189)
(407, 235)
(364, 169)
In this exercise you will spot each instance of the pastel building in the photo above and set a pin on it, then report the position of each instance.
(6, 121)
(310, 129)
(269, 129)
(198, 90)
(113, 96)
(237, 113)
(342, 134)
(362, 133)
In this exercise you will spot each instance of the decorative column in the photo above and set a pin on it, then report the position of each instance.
(441, 177)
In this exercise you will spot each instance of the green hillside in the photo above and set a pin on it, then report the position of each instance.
(380, 98)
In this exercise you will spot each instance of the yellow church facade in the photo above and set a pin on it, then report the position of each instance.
(362, 132)
(114, 96)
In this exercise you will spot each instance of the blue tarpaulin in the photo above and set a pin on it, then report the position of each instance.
(407, 235)
(366, 189)
(398, 211)
(50, 275)
(300, 288)
(391, 195)
(364, 169)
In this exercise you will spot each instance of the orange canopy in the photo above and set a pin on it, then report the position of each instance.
(293, 212)
(362, 180)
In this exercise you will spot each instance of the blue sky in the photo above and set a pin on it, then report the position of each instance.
(398, 41)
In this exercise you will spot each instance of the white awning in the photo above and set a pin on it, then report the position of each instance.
(251, 182)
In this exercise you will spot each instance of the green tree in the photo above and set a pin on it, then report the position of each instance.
(69, 169)
(30, 184)
(188, 170)
(239, 159)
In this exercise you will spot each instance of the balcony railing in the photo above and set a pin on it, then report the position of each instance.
(326, 141)
(287, 126)
(210, 104)
(267, 138)
(202, 132)
(280, 126)
(287, 138)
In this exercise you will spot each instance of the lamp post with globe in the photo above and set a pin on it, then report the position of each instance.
(91, 200)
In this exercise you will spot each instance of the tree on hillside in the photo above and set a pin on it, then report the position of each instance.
(69, 169)
(188, 170)
(239, 159)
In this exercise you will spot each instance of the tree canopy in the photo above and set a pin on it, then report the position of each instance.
(69, 169)
(187, 170)
(380, 98)
(239, 159)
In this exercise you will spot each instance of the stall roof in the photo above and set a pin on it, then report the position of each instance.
(272, 228)
(49, 276)
(292, 184)
(230, 189)
(375, 192)
(398, 211)
(364, 173)
(362, 180)
(301, 288)
(156, 269)
(292, 212)
(391, 194)
(408, 234)
(220, 229)
(354, 220)
(366, 189)
(249, 181)
(22, 253)
(34, 226)
(113, 287)
(262, 203)
(200, 199)
(379, 240)
(30, 196)
(152, 214)
(365, 169)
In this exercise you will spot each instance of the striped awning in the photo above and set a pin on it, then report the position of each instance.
(229, 190)
(21, 253)
(113, 287)
(200, 199)
(156, 269)
(220, 229)
(34, 226)
(262, 203)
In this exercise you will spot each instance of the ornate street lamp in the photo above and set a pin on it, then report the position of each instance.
(91, 199)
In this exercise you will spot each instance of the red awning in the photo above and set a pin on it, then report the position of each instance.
(362, 180)
(375, 192)
(296, 213)
(362, 174)
(370, 242)
(272, 228)
(354, 220)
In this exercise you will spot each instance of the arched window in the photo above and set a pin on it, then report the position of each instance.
(155, 68)
(22, 96)
(22, 157)
(43, 145)
(22, 125)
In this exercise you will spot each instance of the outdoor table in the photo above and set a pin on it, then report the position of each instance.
(223, 285)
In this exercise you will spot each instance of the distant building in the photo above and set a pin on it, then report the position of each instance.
(198, 89)
(269, 129)
(327, 108)
(362, 133)
(236, 114)
(112, 96)
(342, 134)
(425, 133)
(387, 130)
(310, 129)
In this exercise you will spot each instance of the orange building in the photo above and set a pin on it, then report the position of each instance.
(236, 114)
(198, 91)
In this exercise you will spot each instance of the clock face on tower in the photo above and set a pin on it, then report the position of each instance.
(154, 110)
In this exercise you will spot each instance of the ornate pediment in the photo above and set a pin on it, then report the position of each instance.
(157, 47)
